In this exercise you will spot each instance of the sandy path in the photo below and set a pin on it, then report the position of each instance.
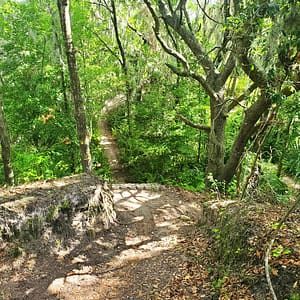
(108, 142)
(132, 260)
(112, 153)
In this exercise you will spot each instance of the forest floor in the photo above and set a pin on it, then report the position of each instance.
(168, 244)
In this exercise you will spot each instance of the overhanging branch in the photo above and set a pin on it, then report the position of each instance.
(242, 97)
(188, 37)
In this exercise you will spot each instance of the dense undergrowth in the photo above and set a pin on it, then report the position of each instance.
(159, 147)
(51, 151)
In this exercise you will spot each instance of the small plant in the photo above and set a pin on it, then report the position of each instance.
(231, 237)
(294, 297)
(216, 231)
(52, 212)
(35, 226)
(279, 251)
(217, 188)
(16, 251)
(219, 283)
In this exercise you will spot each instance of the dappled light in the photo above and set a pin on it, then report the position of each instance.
(150, 224)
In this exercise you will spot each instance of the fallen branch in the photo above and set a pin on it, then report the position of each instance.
(267, 269)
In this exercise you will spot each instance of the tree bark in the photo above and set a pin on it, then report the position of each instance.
(216, 141)
(79, 111)
(124, 65)
(247, 129)
(59, 50)
(5, 145)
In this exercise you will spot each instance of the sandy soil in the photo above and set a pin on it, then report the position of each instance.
(131, 260)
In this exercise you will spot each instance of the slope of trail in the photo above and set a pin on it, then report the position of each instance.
(111, 152)
(132, 260)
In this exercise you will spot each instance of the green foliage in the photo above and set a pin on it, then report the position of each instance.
(15, 251)
(292, 159)
(231, 232)
(279, 251)
(160, 147)
(272, 189)
(31, 164)
(294, 297)
(100, 163)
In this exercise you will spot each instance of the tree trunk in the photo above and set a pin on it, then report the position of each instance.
(5, 145)
(124, 65)
(216, 141)
(58, 48)
(79, 111)
(246, 130)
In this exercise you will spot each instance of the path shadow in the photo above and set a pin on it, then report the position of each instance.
(128, 260)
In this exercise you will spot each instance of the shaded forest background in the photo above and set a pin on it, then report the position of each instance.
(209, 89)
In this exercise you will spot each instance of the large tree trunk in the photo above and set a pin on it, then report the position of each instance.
(5, 152)
(79, 112)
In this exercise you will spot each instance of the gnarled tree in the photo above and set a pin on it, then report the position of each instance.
(237, 28)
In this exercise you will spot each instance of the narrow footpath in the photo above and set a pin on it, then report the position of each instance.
(108, 142)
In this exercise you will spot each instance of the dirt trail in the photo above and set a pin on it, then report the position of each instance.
(132, 260)
(108, 142)
(111, 152)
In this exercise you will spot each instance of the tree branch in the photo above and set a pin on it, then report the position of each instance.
(200, 78)
(164, 45)
(181, 5)
(228, 68)
(242, 97)
(191, 124)
(267, 270)
(142, 36)
(205, 13)
(257, 75)
(189, 38)
(283, 219)
(105, 44)
(116, 30)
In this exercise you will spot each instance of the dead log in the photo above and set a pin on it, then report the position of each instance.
(68, 207)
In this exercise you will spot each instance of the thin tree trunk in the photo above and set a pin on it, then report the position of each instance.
(58, 49)
(286, 138)
(124, 66)
(5, 152)
(79, 111)
(246, 131)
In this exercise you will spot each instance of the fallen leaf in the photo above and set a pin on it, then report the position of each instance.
(274, 272)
